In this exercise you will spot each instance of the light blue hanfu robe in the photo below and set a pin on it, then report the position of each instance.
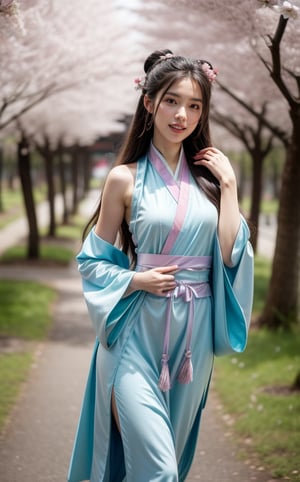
(159, 428)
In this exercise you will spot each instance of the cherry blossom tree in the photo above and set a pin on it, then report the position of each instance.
(57, 49)
(227, 35)
(268, 29)
(282, 305)
(52, 52)
(279, 35)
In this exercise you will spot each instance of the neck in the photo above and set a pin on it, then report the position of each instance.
(170, 153)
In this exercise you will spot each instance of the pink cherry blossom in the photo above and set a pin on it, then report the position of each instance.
(140, 82)
(210, 73)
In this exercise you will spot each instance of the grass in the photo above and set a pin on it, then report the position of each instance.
(265, 410)
(25, 309)
(72, 231)
(56, 251)
(50, 254)
(14, 370)
(13, 204)
(12, 198)
(255, 389)
(262, 274)
(268, 206)
(26, 315)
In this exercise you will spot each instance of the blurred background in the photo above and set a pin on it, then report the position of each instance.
(67, 95)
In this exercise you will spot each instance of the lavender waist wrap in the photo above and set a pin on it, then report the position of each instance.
(188, 289)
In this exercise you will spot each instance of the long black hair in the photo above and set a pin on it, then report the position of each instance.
(162, 69)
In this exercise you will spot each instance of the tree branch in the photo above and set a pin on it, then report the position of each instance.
(254, 142)
(276, 60)
(236, 129)
(280, 134)
(43, 94)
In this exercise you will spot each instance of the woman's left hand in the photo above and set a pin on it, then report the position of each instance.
(217, 163)
(229, 214)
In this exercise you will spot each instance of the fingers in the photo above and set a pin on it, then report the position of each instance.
(207, 151)
(166, 288)
(218, 164)
(163, 281)
(157, 281)
(167, 269)
(209, 155)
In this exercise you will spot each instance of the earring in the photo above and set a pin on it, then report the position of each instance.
(149, 124)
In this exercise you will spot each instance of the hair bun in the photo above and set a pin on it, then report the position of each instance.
(153, 58)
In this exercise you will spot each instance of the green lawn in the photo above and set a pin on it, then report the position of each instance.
(25, 309)
(25, 314)
(51, 253)
(57, 251)
(268, 206)
(13, 206)
(262, 274)
(14, 371)
(255, 389)
(73, 230)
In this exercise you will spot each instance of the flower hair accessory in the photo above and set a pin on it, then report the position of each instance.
(139, 82)
(209, 71)
(166, 57)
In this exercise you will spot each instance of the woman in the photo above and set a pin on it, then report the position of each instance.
(179, 291)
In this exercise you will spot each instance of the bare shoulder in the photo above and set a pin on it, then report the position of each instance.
(121, 175)
(119, 184)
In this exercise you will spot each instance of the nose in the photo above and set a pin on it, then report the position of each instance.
(181, 113)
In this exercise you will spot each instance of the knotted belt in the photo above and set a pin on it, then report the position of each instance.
(188, 290)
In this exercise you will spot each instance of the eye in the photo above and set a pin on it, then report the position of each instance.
(170, 100)
(195, 106)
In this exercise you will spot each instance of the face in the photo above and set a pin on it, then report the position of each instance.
(177, 114)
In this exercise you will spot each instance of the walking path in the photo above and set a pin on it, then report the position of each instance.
(37, 441)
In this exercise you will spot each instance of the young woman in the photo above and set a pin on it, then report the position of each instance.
(175, 293)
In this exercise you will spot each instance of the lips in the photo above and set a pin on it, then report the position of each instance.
(177, 127)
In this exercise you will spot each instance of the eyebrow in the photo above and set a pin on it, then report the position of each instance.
(195, 99)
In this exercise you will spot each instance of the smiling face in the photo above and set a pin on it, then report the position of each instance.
(176, 112)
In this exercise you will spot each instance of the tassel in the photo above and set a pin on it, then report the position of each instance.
(164, 379)
(186, 371)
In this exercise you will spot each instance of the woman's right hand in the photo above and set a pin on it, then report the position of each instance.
(157, 281)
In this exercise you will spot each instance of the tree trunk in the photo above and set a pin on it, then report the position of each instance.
(242, 179)
(12, 174)
(275, 178)
(24, 167)
(256, 193)
(63, 184)
(48, 156)
(75, 178)
(86, 166)
(282, 302)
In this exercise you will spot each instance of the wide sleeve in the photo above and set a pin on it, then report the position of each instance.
(105, 278)
(232, 294)
(82, 454)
